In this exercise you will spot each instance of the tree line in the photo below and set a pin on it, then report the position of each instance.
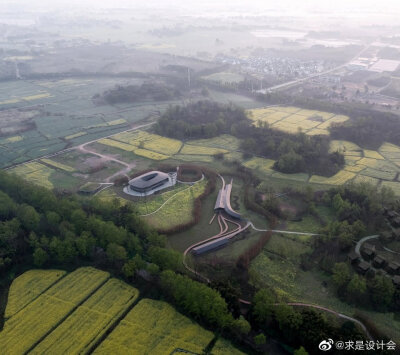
(153, 91)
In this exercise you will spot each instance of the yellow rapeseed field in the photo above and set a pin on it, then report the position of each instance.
(23, 330)
(76, 135)
(116, 144)
(90, 321)
(261, 164)
(116, 122)
(14, 139)
(37, 97)
(26, 287)
(338, 179)
(154, 327)
(372, 154)
(290, 119)
(199, 150)
(150, 154)
(163, 145)
(58, 165)
(191, 158)
(36, 173)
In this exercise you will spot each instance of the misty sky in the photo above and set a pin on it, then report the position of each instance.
(301, 5)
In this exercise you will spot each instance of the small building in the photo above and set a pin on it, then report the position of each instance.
(393, 268)
(353, 257)
(396, 281)
(363, 267)
(368, 251)
(223, 202)
(396, 233)
(396, 222)
(379, 261)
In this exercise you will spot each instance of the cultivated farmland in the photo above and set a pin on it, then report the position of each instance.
(154, 327)
(90, 320)
(22, 331)
(83, 306)
(28, 286)
(293, 119)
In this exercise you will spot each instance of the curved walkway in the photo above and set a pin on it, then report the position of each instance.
(362, 240)
(224, 231)
(281, 231)
(165, 202)
(321, 308)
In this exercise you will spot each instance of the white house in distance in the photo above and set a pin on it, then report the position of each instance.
(149, 183)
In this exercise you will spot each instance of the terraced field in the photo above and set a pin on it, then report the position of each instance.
(52, 312)
(293, 119)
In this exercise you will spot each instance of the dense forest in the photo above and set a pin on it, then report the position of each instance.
(201, 119)
(293, 153)
(148, 91)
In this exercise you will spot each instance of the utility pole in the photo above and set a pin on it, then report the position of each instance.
(188, 74)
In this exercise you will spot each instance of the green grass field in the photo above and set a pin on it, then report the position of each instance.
(177, 210)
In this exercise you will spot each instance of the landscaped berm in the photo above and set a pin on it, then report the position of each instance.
(94, 313)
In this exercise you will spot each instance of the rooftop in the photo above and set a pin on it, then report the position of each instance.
(148, 180)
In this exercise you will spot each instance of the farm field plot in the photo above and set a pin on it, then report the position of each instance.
(144, 144)
(291, 119)
(224, 141)
(90, 320)
(23, 330)
(338, 179)
(28, 286)
(36, 173)
(58, 165)
(66, 113)
(154, 327)
(177, 210)
(194, 158)
(223, 347)
(200, 150)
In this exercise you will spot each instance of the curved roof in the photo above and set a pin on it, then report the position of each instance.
(148, 180)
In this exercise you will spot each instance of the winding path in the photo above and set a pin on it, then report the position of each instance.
(165, 202)
(362, 240)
